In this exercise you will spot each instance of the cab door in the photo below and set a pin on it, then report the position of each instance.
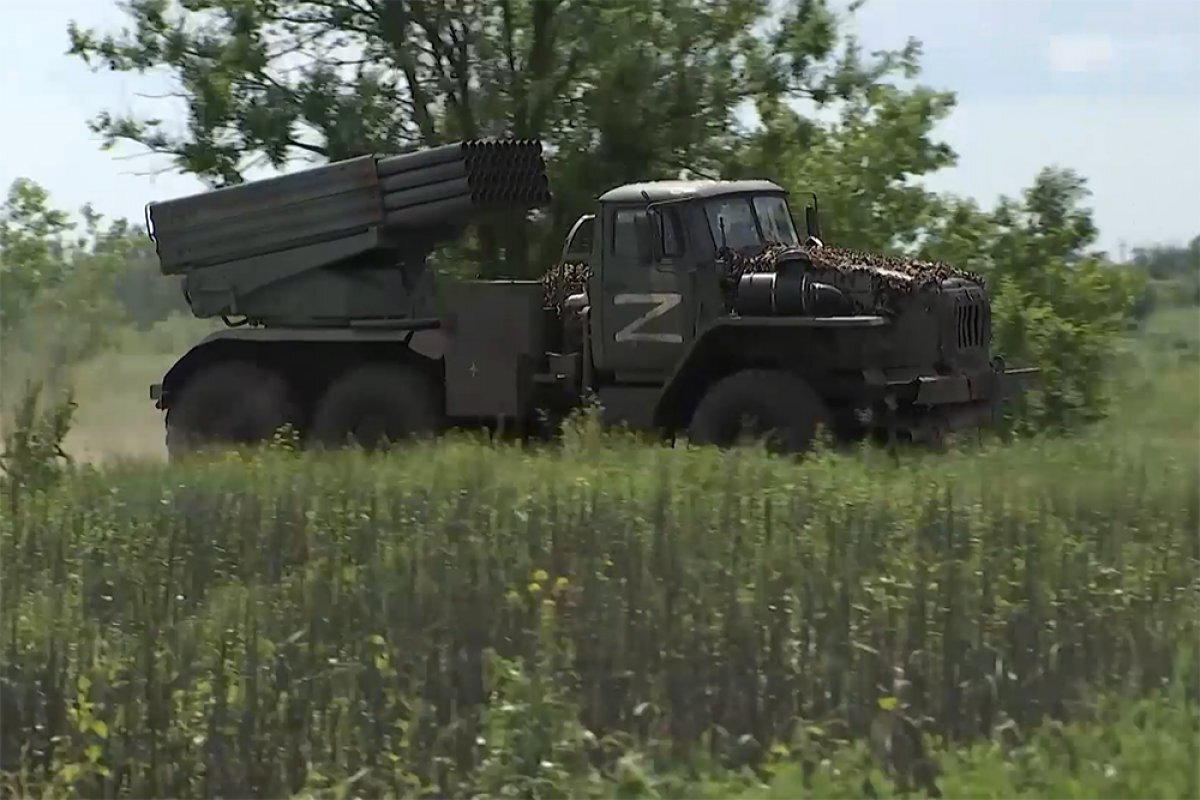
(647, 314)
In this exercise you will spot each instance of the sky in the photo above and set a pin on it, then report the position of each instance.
(1109, 88)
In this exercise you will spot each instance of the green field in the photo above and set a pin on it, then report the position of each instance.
(604, 618)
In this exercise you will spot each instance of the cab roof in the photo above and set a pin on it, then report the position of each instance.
(677, 190)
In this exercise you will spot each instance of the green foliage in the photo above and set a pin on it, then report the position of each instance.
(1056, 305)
(605, 619)
(861, 166)
(31, 244)
(66, 289)
(33, 456)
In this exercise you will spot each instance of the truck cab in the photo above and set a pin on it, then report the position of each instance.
(669, 321)
(654, 249)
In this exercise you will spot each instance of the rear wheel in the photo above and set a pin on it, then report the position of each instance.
(375, 405)
(774, 406)
(228, 403)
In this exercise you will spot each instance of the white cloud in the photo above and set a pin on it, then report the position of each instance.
(1079, 52)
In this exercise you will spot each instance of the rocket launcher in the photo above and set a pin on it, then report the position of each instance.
(341, 242)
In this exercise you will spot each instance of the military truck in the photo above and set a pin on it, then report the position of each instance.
(683, 308)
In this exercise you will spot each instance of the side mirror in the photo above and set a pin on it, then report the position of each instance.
(812, 222)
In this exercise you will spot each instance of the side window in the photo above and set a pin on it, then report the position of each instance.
(579, 248)
(625, 243)
(671, 231)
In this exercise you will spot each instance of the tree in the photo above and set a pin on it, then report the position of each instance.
(31, 250)
(1056, 304)
(617, 89)
(861, 166)
(59, 281)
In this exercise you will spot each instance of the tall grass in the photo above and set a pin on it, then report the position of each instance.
(255, 627)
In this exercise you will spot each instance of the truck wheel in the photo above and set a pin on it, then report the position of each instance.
(374, 405)
(761, 403)
(228, 403)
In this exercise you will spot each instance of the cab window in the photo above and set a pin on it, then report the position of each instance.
(624, 242)
(580, 245)
(731, 223)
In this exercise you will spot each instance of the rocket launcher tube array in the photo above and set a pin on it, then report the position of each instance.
(475, 175)
(501, 151)
(435, 190)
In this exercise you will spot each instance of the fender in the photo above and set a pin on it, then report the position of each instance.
(423, 336)
(685, 382)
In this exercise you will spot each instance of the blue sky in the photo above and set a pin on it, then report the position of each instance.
(1110, 88)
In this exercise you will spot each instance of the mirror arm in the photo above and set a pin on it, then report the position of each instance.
(812, 221)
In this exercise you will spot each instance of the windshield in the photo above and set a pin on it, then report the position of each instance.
(774, 219)
(738, 217)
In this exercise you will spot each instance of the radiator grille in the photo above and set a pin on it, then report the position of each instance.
(971, 324)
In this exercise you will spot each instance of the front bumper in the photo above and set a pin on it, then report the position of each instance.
(992, 384)
(927, 406)
(911, 387)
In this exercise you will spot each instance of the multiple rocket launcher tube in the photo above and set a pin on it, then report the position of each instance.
(431, 185)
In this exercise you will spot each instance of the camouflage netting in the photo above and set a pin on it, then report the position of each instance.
(873, 281)
(563, 280)
(876, 282)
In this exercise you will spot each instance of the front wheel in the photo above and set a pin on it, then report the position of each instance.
(774, 406)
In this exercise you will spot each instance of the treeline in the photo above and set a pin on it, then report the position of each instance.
(1171, 274)
(68, 287)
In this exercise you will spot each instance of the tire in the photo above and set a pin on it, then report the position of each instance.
(228, 403)
(779, 406)
(375, 405)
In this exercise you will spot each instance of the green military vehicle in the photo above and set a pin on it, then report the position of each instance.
(690, 308)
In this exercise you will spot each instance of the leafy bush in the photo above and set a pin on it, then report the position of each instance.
(1056, 306)
(33, 456)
